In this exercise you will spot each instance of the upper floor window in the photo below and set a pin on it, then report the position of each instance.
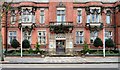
(42, 37)
(79, 16)
(13, 17)
(95, 15)
(28, 15)
(88, 18)
(61, 15)
(79, 37)
(42, 17)
(11, 35)
(108, 17)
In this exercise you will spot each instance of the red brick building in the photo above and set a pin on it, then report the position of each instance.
(62, 24)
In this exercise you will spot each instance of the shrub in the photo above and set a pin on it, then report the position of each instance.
(37, 47)
(15, 44)
(85, 48)
(26, 44)
(109, 43)
(98, 42)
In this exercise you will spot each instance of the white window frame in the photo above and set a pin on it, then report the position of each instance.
(108, 34)
(95, 17)
(108, 19)
(13, 17)
(61, 16)
(45, 40)
(108, 16)
(27, 16)
(88, 18)
(93, 36)
(79, 16)
(42, 16)
(28, 37)
(79, 37)
(11, 36)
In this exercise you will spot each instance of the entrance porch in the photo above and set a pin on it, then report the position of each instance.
(60, 44)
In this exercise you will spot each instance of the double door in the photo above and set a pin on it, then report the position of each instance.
(60, 46)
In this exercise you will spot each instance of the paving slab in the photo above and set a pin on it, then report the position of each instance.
(61, 60)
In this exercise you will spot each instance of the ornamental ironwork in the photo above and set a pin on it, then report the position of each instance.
(94, 26)
(27, 28)
(61, 27)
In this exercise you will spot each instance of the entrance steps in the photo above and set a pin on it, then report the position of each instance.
(61, 55)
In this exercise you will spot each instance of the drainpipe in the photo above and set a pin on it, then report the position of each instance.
(115, 28)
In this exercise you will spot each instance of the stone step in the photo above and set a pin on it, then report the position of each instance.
(61, 55)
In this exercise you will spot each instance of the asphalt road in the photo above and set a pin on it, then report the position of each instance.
(60, 69)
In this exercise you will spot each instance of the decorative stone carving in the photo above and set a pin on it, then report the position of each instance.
(61, 4)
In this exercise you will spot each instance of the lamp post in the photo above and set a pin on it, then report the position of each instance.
(1, 47)
(21, 43)
(104, 42)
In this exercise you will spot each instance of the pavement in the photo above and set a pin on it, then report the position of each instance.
(60, 60)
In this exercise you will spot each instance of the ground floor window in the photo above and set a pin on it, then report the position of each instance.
(79, 37)
(27, 36)
(108, 34)
(93, 36)
(12, 35)
(42, 37)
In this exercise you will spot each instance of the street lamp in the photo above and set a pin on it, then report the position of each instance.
(1, 47)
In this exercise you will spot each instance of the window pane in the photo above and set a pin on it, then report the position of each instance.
(93, 36)
(79, 37)
(93, 17)
(42, 18)
(29, 18)
(41, 37)
(14, 33)
(10, 33)
(58, 18)
(63, 18)
(79, 19)
(33, 18)
(97, 18)
(77, 33)
(79, 12)
(60, 15)
(42, 12)
(108, 19)
(88, 18)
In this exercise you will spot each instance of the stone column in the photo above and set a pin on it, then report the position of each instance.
(52, 44)
(69, 44)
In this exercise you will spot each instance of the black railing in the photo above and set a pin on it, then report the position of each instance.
(61, 27)
(94, 26)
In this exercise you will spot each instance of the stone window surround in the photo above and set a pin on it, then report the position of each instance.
(12, 35)
(42, 15)
(80, 36)
(44, 36)
(80, 15)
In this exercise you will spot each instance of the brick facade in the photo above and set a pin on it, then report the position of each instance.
(71, 13)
